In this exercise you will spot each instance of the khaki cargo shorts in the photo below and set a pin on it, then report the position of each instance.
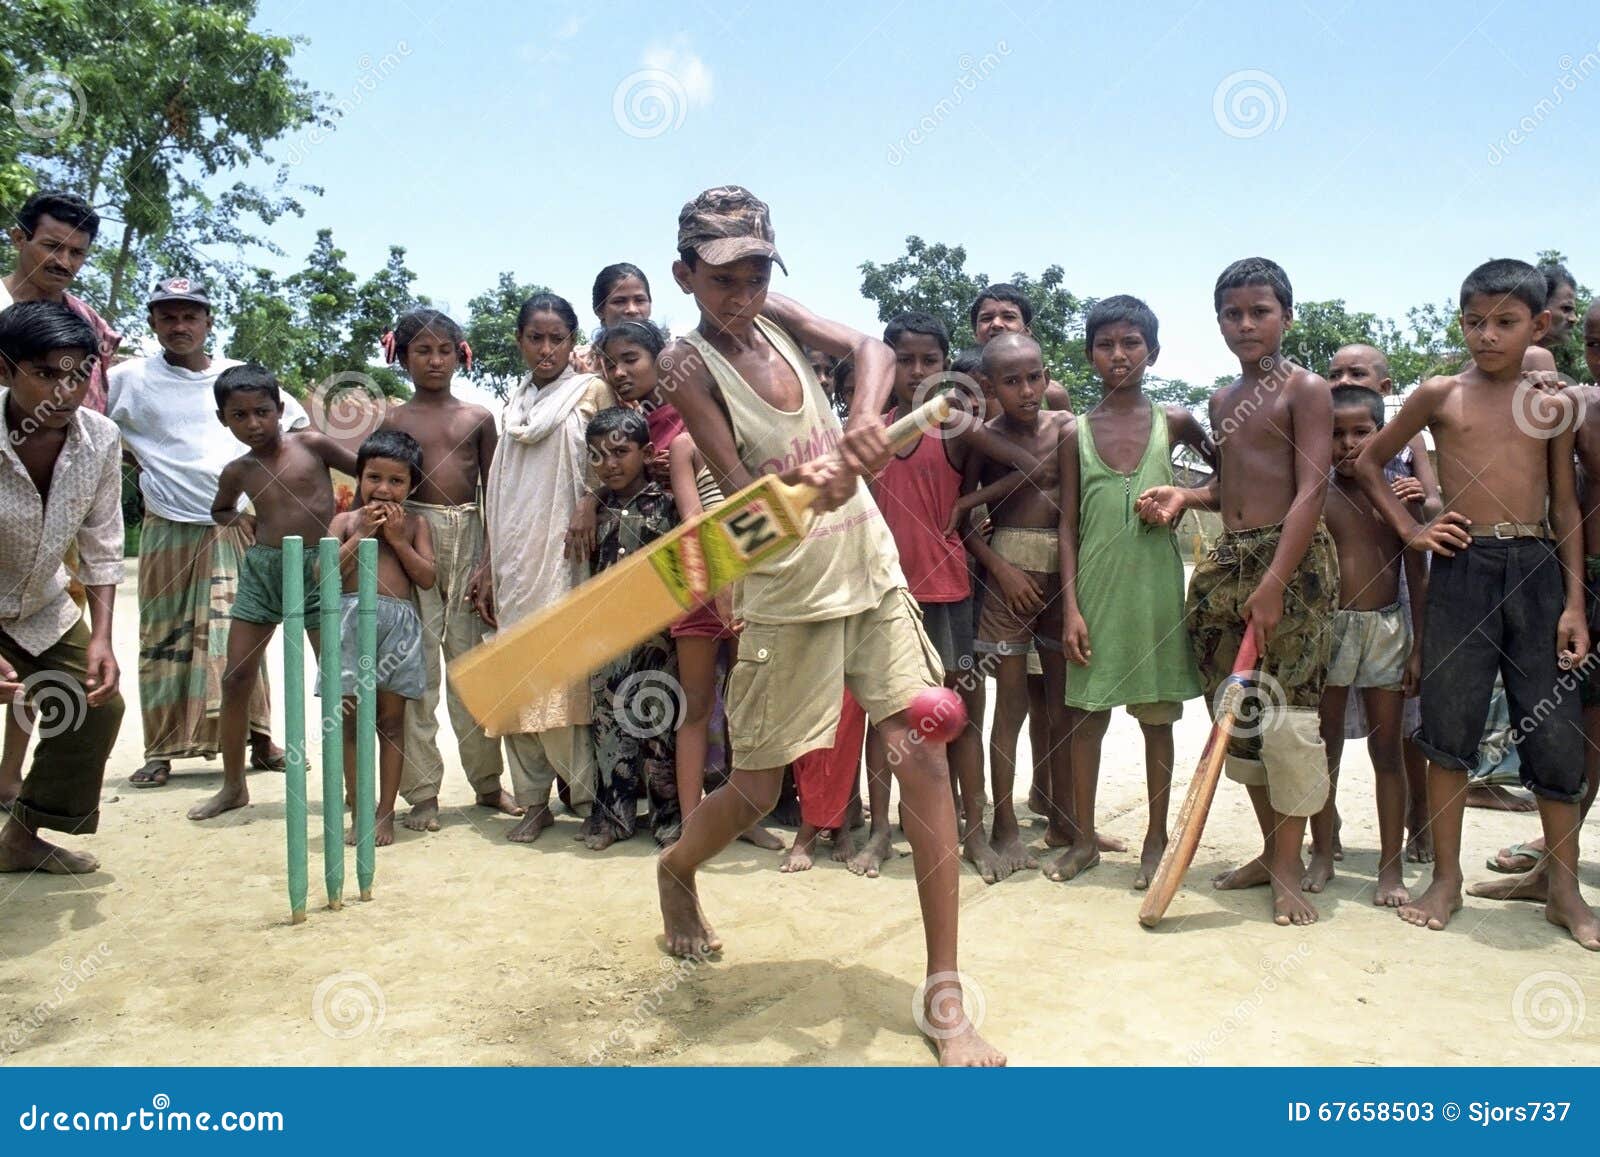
(785, 690)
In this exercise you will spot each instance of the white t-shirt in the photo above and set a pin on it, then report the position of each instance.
(168, 419)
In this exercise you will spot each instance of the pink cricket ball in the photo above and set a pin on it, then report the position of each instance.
(938, 714)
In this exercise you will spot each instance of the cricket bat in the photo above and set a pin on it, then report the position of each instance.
(626, 604)
(1180, 851)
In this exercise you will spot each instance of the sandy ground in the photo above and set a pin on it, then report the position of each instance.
(476, 951)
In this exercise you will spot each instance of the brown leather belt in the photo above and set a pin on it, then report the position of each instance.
(1505, 530)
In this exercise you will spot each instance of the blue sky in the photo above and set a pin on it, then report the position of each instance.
(1368, 147)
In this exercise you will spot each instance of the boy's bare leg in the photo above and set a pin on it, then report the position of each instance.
(1565, 907)
(697, 672)
(799, 857)
(1158, 757)
(1384, 710)
(965, 753)
(1255, 873)
(1325, 824)
(929, 821)
(16, 753)
(716, 823)
(391, 758)
(1447, 806)
(986, 854)
(1085, 730)
(1039, 790)
(245, 644)
(1289, 905)
(844, 844)
(880, 842)
(1419, 840)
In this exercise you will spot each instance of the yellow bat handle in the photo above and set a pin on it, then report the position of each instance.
(925, 419)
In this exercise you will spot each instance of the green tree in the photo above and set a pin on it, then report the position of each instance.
(492, 333)
(154, 101)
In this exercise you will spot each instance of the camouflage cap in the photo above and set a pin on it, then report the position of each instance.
(727, 223)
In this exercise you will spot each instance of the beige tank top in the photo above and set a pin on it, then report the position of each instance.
(848, 561)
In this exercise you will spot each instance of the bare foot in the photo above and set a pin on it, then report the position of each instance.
(23, 851)
(1155, 845)
(798, 858)
(872, 855)
(1055, 837)
(1495, 798)
(534, 822)
(1535, 886)
(225, 800)
(1289, 906)
(761, 838)
(1251, 875)
(1110, 843)
(1519, 859)
(1435, 906)
(967, 1050)
(844, 845)
(1012, 854)
(1037, 803)
(600, 837)
(687, 932)
(1392, 891)
(1318, 873)
(423, 817)
(1577, 918)
(1419, 844)
(1071, 863)
(976, 851)
(1338, 844)
(497, 800)
(383, 831)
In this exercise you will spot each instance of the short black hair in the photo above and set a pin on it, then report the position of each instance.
(618, 421)
(917, 321)
(1254, 271)
(547, 303)
(1352, 396)
(968, 361)
(608, 277)
(1001, 291)
(395, 445)
(31, 328)
(645, 334)
(1555, 276)
(1119, 309)
(68, 208)
(1506, 277)
(246, 379)
(414, 322)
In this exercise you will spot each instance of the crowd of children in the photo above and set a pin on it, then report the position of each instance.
(1003, 542)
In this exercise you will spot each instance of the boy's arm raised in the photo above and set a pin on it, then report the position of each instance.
(1572, 630)
(1075, 635)
(1447, 533)
(1311, 435)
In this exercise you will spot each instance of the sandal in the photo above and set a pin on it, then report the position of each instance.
(153, 774)
(1497, 862)
(271, 761)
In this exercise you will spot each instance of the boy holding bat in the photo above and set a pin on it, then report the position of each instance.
(830, 614)
(1273, 572)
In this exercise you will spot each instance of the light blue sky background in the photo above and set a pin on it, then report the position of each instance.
(1092, 136)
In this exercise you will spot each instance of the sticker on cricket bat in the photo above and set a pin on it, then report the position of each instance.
(730, 540)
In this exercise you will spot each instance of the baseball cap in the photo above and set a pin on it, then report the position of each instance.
(726, 223)
(180, 289)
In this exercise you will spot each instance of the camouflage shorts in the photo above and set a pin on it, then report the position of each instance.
(1297, 661)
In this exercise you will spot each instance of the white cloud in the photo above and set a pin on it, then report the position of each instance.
(684, 64)
(570, 27)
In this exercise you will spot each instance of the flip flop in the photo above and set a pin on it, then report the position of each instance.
(145, 777)
(1517, 852)
(278, 762)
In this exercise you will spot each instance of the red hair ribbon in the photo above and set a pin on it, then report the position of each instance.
(466, 356)
(387, 342)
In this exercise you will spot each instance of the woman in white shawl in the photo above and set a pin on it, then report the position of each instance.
(534, 488)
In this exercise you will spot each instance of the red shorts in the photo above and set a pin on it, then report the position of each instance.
(703, 623)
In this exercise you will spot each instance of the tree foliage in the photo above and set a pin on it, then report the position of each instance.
(144, 107)
(492, 332)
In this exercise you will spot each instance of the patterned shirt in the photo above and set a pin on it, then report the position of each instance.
(623, 526)
(85, 507)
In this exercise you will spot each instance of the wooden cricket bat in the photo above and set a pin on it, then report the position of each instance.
(1180, 851)
(626, 604)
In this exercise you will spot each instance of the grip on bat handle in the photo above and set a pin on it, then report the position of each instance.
(922, 420)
